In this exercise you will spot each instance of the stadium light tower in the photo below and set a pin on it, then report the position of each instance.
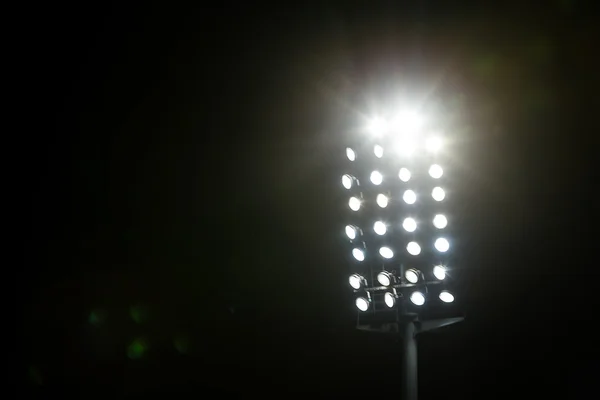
(398, 231)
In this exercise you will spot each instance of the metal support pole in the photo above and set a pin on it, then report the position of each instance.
(409, 371)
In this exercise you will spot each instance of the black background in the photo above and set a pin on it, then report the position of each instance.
(187, 160)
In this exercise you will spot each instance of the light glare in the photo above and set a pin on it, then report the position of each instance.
(377, 126)
(439, 272)
(434, 144)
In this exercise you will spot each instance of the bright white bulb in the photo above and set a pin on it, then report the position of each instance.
(351, 232)
(362, 304)
(413, 248)
(350, 154)
(411, 276)
(439, 272)
(378, 150)
(389, 299)
(358, 254)
(409, 224)
(379, 228)
(386, 252)
(438, 193)
(377, 126)
(354, 203)
(355, 281)
(376, 177)
(347, 181)
(384, 278)
(382, 200)
(433, 144)
(404, 174)
(440, 221)
(409, 197)
(442, 245)
(446, 296)
(417, 298)
(435, 171)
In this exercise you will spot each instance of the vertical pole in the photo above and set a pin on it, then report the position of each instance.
(410, 380)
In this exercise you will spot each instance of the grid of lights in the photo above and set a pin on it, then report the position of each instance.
(390, 212)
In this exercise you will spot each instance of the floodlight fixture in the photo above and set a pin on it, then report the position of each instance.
(350, 154)
(409, 224)
(439, 271)
(438, 193)
(357, 281)
(440, 221)
(386, 252)
(409, 196)
(362, 303)
(348, 181)
(358, 254)
(412, 275)
(376, 178)
(382, 200)
(417, 298)
(446, 296)
(385, 278)
(390, 299)
(379, 228)
(413, 248)
(404, 174)
(378, 151)
(442, 245)
(435, 171)
(352, 231)
(354, 203)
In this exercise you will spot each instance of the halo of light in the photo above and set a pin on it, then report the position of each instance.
(446, 296)
(347, 181)
(377, 126)
(378, 151)
(438, 193)
(385, 278)
(417, 298)
(350, 154)
(362, 304)
(404, 174)
(412, 275)
(409, 197)
(408, 121)
(358, 254)
(382, 200)
(435, 171)
(351, 232)
(413, 248)
(442, 245)
(390, 299)
(405, 145)
(379, 228)
(354, 203)
(433, 144)
(356, 281)
(386, 252)
(439, 271)
(440, 221)
(376, 178)
(409, 224)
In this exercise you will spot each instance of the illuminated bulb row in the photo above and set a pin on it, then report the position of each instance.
(386, 278)
(409, 225)
(409, 197)
(417, 298)
(441, 244)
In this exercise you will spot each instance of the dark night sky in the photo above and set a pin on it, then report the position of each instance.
(186, 161)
